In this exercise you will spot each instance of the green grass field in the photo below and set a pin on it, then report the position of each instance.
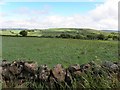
(51, 51)
(55, 31)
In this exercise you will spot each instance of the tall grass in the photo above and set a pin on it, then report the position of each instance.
(52, 51)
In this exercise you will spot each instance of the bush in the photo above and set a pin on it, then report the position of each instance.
(92, 36)
(23, 33)
(101, 37)
(115, 37)
(110, 36)
(65, 35)
(77, 37)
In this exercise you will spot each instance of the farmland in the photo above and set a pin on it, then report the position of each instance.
(52, 51)
(43, 47)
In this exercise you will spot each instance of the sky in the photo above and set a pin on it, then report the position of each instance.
(38, 15)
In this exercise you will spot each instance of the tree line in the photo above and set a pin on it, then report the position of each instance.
(93, 36)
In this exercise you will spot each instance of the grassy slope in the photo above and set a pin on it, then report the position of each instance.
(53, 51)
(56, 31)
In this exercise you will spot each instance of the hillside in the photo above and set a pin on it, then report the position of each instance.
(110, 30)
(54, 31)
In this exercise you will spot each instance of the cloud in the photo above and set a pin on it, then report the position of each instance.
(2, 3)
(30, 12)
(104, 16)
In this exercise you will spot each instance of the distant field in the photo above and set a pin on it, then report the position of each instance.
(54, 32)
(16, 32)
(51, 51)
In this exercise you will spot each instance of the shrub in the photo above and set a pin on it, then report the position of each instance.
(101, 37)
(110, 36)
(65, 35)
(92, 36)
(115, 37)
(23, 33)
(77, 37)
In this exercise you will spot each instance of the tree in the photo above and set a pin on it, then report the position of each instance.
(92, 36)
(63, 35)
(101, 37)
(89, 36)
(79, 36)
(115, 37)
(110, 36)
(23, 33)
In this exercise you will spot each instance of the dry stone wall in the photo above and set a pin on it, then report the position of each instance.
(19, 72)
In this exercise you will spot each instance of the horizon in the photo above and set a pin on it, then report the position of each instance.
(57, 28)
(43, 15)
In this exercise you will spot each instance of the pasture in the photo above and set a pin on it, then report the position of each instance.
(52, 51)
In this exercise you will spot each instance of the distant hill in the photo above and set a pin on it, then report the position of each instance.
(53, 32)
(79, 30)
(13, 29)
(110, 30)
